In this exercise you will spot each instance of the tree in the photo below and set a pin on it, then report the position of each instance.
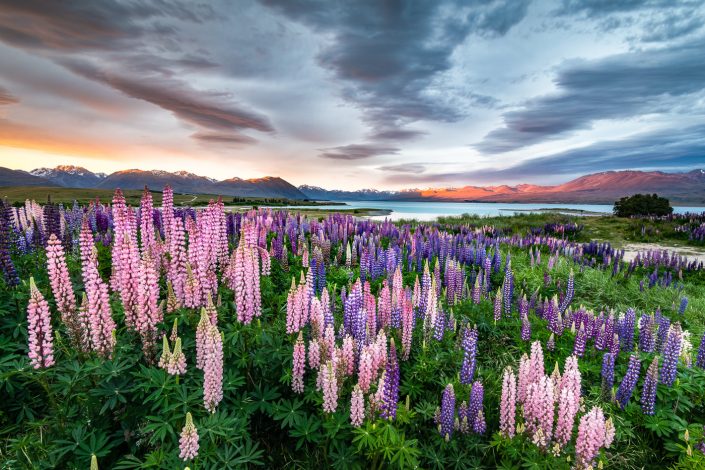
(642, 204)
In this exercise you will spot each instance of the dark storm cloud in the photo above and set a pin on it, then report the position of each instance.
(357, 152)
(620, 86)
(87, 24)
(387, 53)
(6, 97)
(404, 168)
(186, 104)
(227, 139)
(673, 150)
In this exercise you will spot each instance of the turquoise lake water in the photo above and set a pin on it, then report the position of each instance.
(431, 210)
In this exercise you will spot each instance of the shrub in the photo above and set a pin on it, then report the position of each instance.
(642, 204)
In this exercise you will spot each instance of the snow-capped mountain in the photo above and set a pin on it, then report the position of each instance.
(70, 176)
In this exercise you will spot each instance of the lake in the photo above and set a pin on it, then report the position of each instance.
(431, 210)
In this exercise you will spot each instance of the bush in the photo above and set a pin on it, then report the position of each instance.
(642, 204)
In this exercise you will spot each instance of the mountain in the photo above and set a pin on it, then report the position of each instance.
(10, 177)
(268, 186)
(70, 176)
(596, 188)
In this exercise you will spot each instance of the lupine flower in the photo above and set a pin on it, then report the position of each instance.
(201, 334)
(447, 415)
(469, 344)
(94, 462)
(551, 342)
(299, 365)
(498, 306)
(64, 296)
(166, 354)
(330, 387)
(391, 384)
(507, 413)
(592, 436)
(525, 327)
(580, 340)
(537, 364)
(568, 404)
(647, 342)
(648, 393)
(607, 374)
(539, 410)
(357, 407)
(700, 361)
(683, 305)
(212, 369)
(476, 409)
(671, 353)
(41, 340)
(570, 290)
(626, 388)
(188, 442)
(525, 378)
(177, 361)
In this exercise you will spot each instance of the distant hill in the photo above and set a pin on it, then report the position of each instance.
(10, 177)
(181, 181)
(597, 188)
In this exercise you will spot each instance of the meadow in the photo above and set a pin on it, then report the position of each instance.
(174, 337)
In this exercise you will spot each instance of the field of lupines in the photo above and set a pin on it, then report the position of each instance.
(172, 338)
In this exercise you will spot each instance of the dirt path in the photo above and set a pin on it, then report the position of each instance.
(631, 250)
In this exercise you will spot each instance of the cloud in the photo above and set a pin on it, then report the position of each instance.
(7, 98)
(357, 152)
(665, 149)
(387, 54)
(396, 134)
(186, 104)
(617, 87)
(225, 139)
(404, 168)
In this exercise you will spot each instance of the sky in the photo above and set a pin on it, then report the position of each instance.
(355, 94)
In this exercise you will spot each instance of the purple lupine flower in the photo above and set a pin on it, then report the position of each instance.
(683, 306)
(570, 291)
(551, 342)
(626, 388)
(700, 361)
(440, 325)
(469, 344)
(525, 328)
(607, 374)
(664, 324)
(580, 340)
(447, 415)
(498, 306)
(391, 384)
(626, 330)
(475, 408)
(671, 353)
(648, 393)
(647, 343)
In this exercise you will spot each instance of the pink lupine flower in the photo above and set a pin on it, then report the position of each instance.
(176, 246)
(330, 388)
(299, 365)
(539, 410)
(537, 363)
(568, 405)
(165, 358)
(348, 354)
(314, 354)
(202, 328)
(524, 378)
(149, 312)
(147, 223)
(213, 369)
(41, 341)
(129, 279)
(407, 322)
(365, 372)
(188, 443)
(507, 413)
(177, 361)
(592, 436)
(357, 407)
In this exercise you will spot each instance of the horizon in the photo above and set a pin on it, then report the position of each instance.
(401, 95)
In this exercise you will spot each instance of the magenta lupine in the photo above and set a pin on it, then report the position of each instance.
(648, 393)
(357, 407)
(330, 387)
(299, 365)
(188, 442)
(147, 224)
(507, 411)
(447, 413)
(348, 355)
(213, 369)
(592, 436)
(568, 405)
(129, 279)
(408, 320)
(41, 340)
(177, 361)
